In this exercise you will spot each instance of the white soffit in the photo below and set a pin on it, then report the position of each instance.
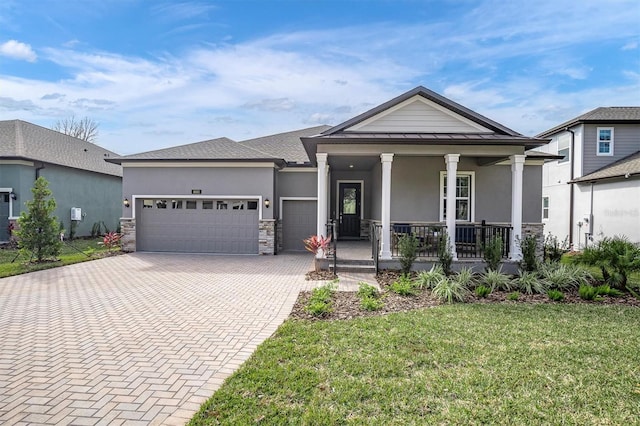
(418, 115)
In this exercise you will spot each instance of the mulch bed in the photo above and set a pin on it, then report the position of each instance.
(346, 304)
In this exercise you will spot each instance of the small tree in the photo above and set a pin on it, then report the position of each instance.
(444, 253)
(408, 246)
(39, 232)
(616, 257)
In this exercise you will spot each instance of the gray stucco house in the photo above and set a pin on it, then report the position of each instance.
(593, 189)
(385, 172)
(77, 173)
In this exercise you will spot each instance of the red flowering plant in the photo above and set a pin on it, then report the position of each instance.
(111, 240)
(316, 244)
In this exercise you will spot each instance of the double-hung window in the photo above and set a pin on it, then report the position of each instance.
(564, 147)
(605, 141)
(545, 207)
(464, 196)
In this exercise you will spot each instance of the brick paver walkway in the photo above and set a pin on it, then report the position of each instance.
(135, 339)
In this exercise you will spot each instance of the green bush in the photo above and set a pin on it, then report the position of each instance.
(513, 296)
(528, 245)
(492, 253)
(427, 279)
(496, 280)
(563, 276)
(529, 283)
(588, 292)
(466, 277)
(371, 303)
(606, 290)
(319, 308)
(319, 303)
(408, 248)
(404, 286)
(450, 290)
(616, 257)
(444, 253)
(483, 291)
(367, 290)
(553, 249)
(555, 295)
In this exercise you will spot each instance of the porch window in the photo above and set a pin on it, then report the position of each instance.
(605, 141)
(464, 196)
(545, 207)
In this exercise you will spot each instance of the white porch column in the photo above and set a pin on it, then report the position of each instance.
(322, 194)
(451, 160)
(385, 249)
(517, 167)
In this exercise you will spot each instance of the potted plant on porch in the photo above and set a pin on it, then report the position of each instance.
(317, 244)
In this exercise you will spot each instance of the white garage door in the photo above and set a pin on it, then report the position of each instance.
(299, 218)
(197, 226)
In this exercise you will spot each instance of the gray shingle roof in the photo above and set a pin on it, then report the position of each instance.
(213, 150)
(285, 145)
(23, 140)
(599, 115)
(625, 167)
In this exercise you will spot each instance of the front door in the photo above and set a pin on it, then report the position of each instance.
(349, 210)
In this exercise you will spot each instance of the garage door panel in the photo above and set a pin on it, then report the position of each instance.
(197, 230)
(299, 219)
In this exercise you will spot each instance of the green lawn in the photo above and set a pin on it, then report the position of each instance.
(455, 364)
(76, 251)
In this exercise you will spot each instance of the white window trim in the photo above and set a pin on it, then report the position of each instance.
(547, 208)
(604, 154)
(472, 194)
(568, 148)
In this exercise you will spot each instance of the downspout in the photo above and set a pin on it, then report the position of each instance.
(591, 215)
(571, 162)
(38, 170)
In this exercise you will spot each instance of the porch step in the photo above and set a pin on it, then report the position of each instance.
(364, 266)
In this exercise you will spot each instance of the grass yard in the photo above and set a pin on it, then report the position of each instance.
(454, 364)
(75, 251)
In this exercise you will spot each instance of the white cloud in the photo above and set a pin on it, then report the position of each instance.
(17, 50)
(632, 45)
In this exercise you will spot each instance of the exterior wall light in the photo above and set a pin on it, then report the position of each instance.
(267, 203)
(126, 203)
(13, 196)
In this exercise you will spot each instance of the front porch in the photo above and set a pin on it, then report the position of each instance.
(471, 240)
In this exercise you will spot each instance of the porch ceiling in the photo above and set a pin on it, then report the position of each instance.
(353, 162)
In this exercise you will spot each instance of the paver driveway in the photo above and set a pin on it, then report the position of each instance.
(135, 339)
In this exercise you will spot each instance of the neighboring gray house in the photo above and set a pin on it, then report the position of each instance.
(594, 189)
(77, 173)
(377, 175)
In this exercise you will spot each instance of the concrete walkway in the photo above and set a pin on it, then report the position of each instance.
(136, 339)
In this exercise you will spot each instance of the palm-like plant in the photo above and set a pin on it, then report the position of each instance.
(616, 257)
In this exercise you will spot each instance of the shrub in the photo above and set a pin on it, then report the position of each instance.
(496, 280)
(564, 276)
(450, 290)
(371, 303)
(319, 303)
(367, 290)
(588, 292)
(553, 249)
(111, 240)
(528, 246)
(466, 277)
(529, 283)
(555, 295)
(408, 248)
(492, 253)
(315, 244)
(39, 232)
(483, 291)
(513, 296)
(427, 279)
(616, 257)
(404, 286)
(606, 290)
(318, 308)
(444, 253)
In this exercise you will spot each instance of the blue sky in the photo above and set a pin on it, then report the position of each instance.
(162, 73)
